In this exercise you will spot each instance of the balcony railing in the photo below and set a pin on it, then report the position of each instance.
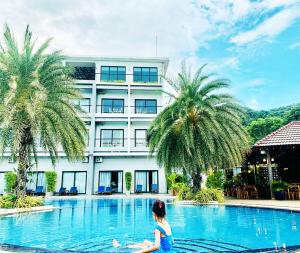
(136, 79)
(120, 143)
(133, 109)
(111, 109)
(86, 108)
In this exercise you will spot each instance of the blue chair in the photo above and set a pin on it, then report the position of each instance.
(39, 190)
(62, 191)
(154, 188)
(101, 189)
(139, 188)
(108, 190)
(73, 190)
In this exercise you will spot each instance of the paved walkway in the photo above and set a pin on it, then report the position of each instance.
(291, 205)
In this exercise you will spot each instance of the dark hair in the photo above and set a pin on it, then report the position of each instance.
(159, 208)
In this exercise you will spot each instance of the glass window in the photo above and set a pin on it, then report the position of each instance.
(35, 179)
(112, 138)
(145, 74)
(74, 178)
(112, 105)
(147, 106)
(84, 73)
(140, 137)
(2, 183)
(113, 73)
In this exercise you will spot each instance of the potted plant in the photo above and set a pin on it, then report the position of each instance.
(279, 188)
(128, 181)
(51, 177)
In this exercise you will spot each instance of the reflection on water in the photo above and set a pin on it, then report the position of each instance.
(92, 224)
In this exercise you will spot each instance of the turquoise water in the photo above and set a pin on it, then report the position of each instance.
(91, 225)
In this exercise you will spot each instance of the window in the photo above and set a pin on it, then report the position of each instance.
(113, 73)
(147, 106)
(146, 181)
(112, 138)
(140, 138)
(84, 73)
(2, 183)
(113, 179)
(74, 178)
(35, 179)
(145, 74)
(112, 105)
(83, 103)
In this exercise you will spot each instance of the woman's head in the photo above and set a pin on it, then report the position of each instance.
(159, 209)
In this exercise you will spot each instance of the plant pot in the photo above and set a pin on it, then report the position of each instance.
(127, 193)
(49, 194)
(279, 195)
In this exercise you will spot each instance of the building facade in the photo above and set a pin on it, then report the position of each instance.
(121, 96)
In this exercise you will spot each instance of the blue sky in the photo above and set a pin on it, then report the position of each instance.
(256, 44)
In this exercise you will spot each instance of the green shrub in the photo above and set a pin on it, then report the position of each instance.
(215, 180)
(10, 181)
(8, 201)
(279, 186)
(51, 177)
(174, 179)
(11, 201)
(29, 201)
(207, 195)
(128, 180)
(185, 193)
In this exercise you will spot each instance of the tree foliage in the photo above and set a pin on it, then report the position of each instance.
(261, 127)
(200, 129)
(36, 93)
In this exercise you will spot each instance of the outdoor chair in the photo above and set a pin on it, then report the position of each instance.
(108, 190)
(29, 192)
(62, 191)
(73, 190)
(39, 190)
(139, 188)
(101, 189)
(154, 188)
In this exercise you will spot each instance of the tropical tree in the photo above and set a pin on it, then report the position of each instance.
(36, 93)
(200, 129)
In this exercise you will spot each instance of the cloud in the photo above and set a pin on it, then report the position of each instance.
(256, 83)
(294, 45)
(270, 27)
(253, 104)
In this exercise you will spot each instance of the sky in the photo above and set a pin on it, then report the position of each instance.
(255, 44)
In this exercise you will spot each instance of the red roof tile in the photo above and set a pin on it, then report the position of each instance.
(286, 135)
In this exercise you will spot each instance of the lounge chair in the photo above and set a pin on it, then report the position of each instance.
(101, 189)
(29, 192)
(108, 190)
(73, 190)
(62, 191)
(39, 190)
(139, 188)
(154, 188)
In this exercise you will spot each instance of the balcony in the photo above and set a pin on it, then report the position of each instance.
(136, 110)
(121, 145)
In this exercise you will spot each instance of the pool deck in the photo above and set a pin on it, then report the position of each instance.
(5, 212)
(290, 205)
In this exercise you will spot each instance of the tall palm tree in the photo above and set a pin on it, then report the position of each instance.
(200, 129)
(36, 93)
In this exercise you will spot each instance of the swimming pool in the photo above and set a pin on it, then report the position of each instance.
(92, 224)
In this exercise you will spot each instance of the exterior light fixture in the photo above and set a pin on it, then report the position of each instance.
(272, 159)
(262, 152)
(264, 160)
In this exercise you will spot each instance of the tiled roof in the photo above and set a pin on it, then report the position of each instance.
(286, 135)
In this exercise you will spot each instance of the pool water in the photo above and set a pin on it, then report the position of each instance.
(91, 225)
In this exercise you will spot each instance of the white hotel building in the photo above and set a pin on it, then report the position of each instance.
(121, 97)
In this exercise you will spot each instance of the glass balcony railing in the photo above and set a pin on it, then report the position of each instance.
(120, 143)
(84, 73)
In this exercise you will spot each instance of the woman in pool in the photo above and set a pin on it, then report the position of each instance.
(163, 233)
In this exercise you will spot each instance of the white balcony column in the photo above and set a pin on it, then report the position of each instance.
(92, 138)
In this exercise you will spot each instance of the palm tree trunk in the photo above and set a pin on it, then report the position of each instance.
(24, 163)
(197, 179)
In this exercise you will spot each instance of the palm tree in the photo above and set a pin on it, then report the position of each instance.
(200, 129)
(36, 93)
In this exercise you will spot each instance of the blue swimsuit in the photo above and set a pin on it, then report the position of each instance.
(165, 242)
